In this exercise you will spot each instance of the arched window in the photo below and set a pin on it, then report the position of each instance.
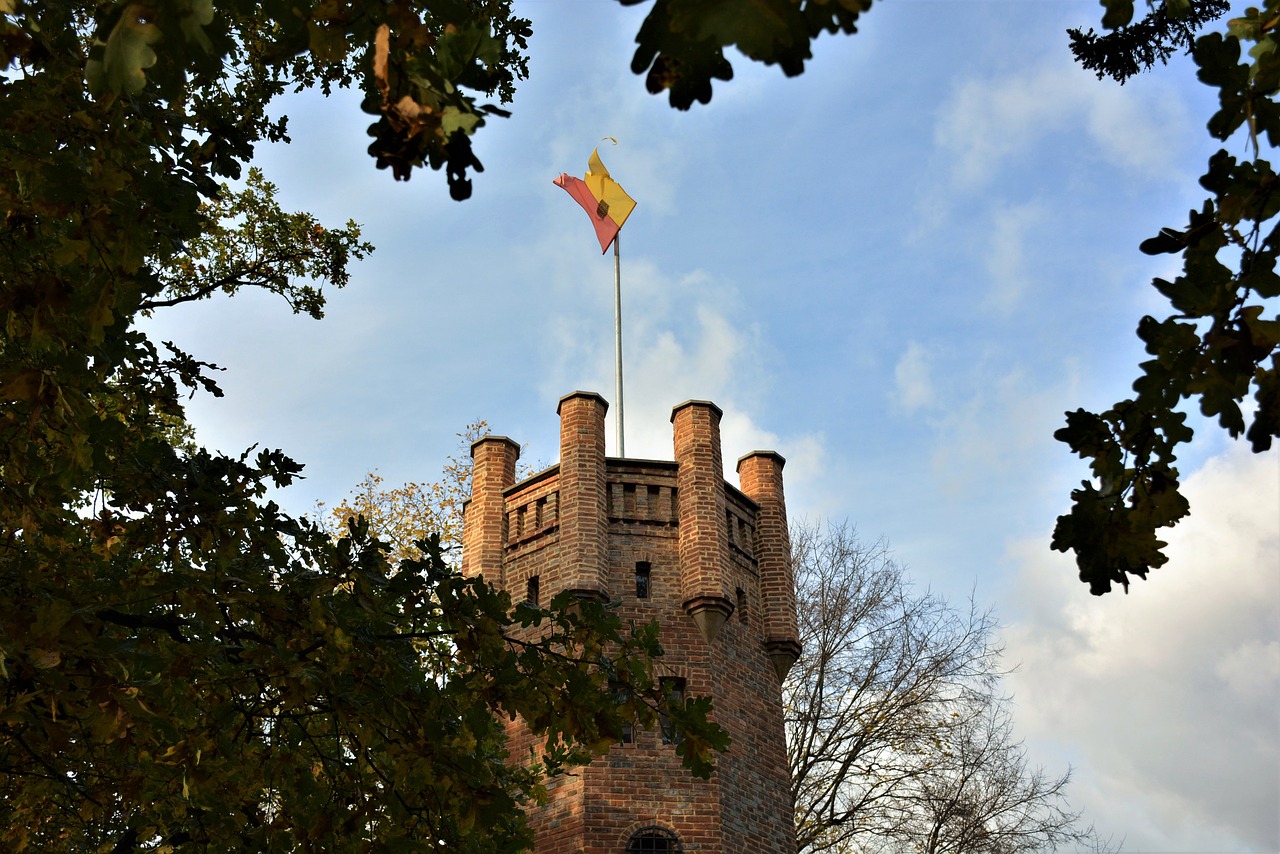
(649, 839)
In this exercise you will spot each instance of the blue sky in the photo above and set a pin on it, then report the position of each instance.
(898, 270)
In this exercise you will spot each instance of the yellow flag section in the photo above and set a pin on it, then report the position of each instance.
(601, 197)
(617, 204)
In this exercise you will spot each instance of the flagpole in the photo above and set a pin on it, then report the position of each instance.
(617, 330)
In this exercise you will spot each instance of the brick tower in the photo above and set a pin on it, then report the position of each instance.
(672, 542)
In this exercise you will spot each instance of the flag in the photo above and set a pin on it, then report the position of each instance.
(601, 197)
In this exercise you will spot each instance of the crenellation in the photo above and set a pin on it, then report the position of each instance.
(533, 517)
(740, 525)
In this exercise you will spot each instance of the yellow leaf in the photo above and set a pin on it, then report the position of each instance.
(44, 659)
(118, 64)
(70, 250)
(381, 47)
(328, 44)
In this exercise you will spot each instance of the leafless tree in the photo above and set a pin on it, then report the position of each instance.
(982, 796)
(896, 727)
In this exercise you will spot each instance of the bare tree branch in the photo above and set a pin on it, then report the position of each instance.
(899, 738)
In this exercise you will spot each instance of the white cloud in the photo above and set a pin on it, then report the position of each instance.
(995, 424)
(1170, 696)
(994, 120)
(1006, 260)
(1252, 669)
(913, 385)
(683, 340)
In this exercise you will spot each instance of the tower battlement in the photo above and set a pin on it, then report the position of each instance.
(669, 541)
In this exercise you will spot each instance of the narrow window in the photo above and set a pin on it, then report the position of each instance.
(642, 580)
(742, 606)
(532, 591)
(673, 688)
(621, 695)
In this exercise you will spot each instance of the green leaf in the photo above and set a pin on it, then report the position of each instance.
(453, 119)
(1168, 241)
(327, 43)
(1118, 13)
(1088, 435)
(117, 64)
(197, 15)
(1266, 419)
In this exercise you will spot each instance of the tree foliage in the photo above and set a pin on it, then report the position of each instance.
(422, 65)
(1137, 47)
(402, 515)
(290, 699)
(251, 242)
(202, 75)
(184, 666)
(1221, 345)
(898, 736)
(681, 43)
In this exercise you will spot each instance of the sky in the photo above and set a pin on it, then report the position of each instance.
(898, 270)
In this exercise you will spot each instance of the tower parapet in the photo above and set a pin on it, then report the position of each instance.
(669, 542)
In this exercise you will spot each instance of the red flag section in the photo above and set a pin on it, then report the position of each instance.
(601, 197)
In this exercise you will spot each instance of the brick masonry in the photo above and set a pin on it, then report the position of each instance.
(720, 588)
